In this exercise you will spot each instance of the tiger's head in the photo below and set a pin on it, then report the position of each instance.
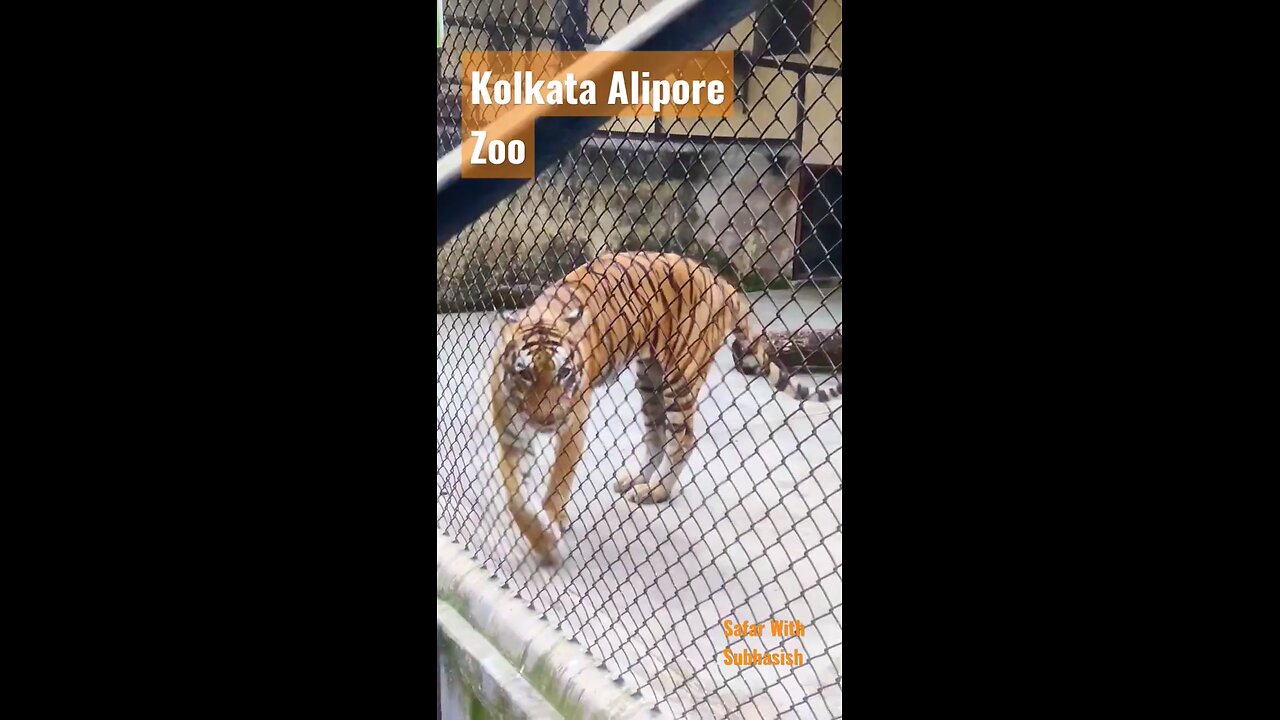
(541, 358)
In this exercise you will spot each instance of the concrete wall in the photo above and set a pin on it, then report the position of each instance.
(476, 682)
(728, 202)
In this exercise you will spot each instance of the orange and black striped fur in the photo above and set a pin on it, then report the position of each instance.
(665, 314)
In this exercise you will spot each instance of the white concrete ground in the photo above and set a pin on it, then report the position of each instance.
(755, 533)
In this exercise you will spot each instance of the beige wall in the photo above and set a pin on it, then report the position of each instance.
(769, 110)
(827, 30)
(824, 120)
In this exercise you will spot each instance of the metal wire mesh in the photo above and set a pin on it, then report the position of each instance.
(754, 533)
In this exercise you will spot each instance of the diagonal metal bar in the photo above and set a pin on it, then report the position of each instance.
(673, 25)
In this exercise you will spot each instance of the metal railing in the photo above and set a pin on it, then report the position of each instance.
(754, 534)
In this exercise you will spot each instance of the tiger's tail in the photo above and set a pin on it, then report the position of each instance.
(757, 355)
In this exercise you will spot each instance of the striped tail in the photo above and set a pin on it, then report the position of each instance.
(758, 357)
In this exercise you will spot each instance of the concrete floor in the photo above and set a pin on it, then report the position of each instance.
(755, 533)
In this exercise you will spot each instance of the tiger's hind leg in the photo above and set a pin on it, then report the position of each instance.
(653, 414)
(679, 406)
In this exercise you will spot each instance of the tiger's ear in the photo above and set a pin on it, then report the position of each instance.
(572, 313)
(510, 316)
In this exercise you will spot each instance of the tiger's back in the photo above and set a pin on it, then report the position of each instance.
(653, 307)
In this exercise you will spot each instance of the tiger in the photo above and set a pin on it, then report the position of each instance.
(664, 314)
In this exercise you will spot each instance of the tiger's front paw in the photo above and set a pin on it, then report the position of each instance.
(549, 558)
(624, 481)
(546, 544)
(547, 549)
(561, 519)
(646, 493)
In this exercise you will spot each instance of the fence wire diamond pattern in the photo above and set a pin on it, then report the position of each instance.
(754, 533)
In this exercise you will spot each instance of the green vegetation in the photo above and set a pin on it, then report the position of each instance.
(542, 677)
(718, 261)
(752, 282)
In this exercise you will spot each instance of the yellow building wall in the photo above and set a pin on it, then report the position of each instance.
(824, 120)
(827, 30)
(770, 111)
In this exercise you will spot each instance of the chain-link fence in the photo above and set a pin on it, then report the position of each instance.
(754, 533)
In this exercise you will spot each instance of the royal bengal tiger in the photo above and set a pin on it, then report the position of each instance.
(668, 315)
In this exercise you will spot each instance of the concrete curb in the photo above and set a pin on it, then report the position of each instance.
(474, 672)
(566, 677)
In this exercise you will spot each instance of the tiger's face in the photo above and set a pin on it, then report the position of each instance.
(543, 366)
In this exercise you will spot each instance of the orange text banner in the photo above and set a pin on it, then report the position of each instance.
(503, 93)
